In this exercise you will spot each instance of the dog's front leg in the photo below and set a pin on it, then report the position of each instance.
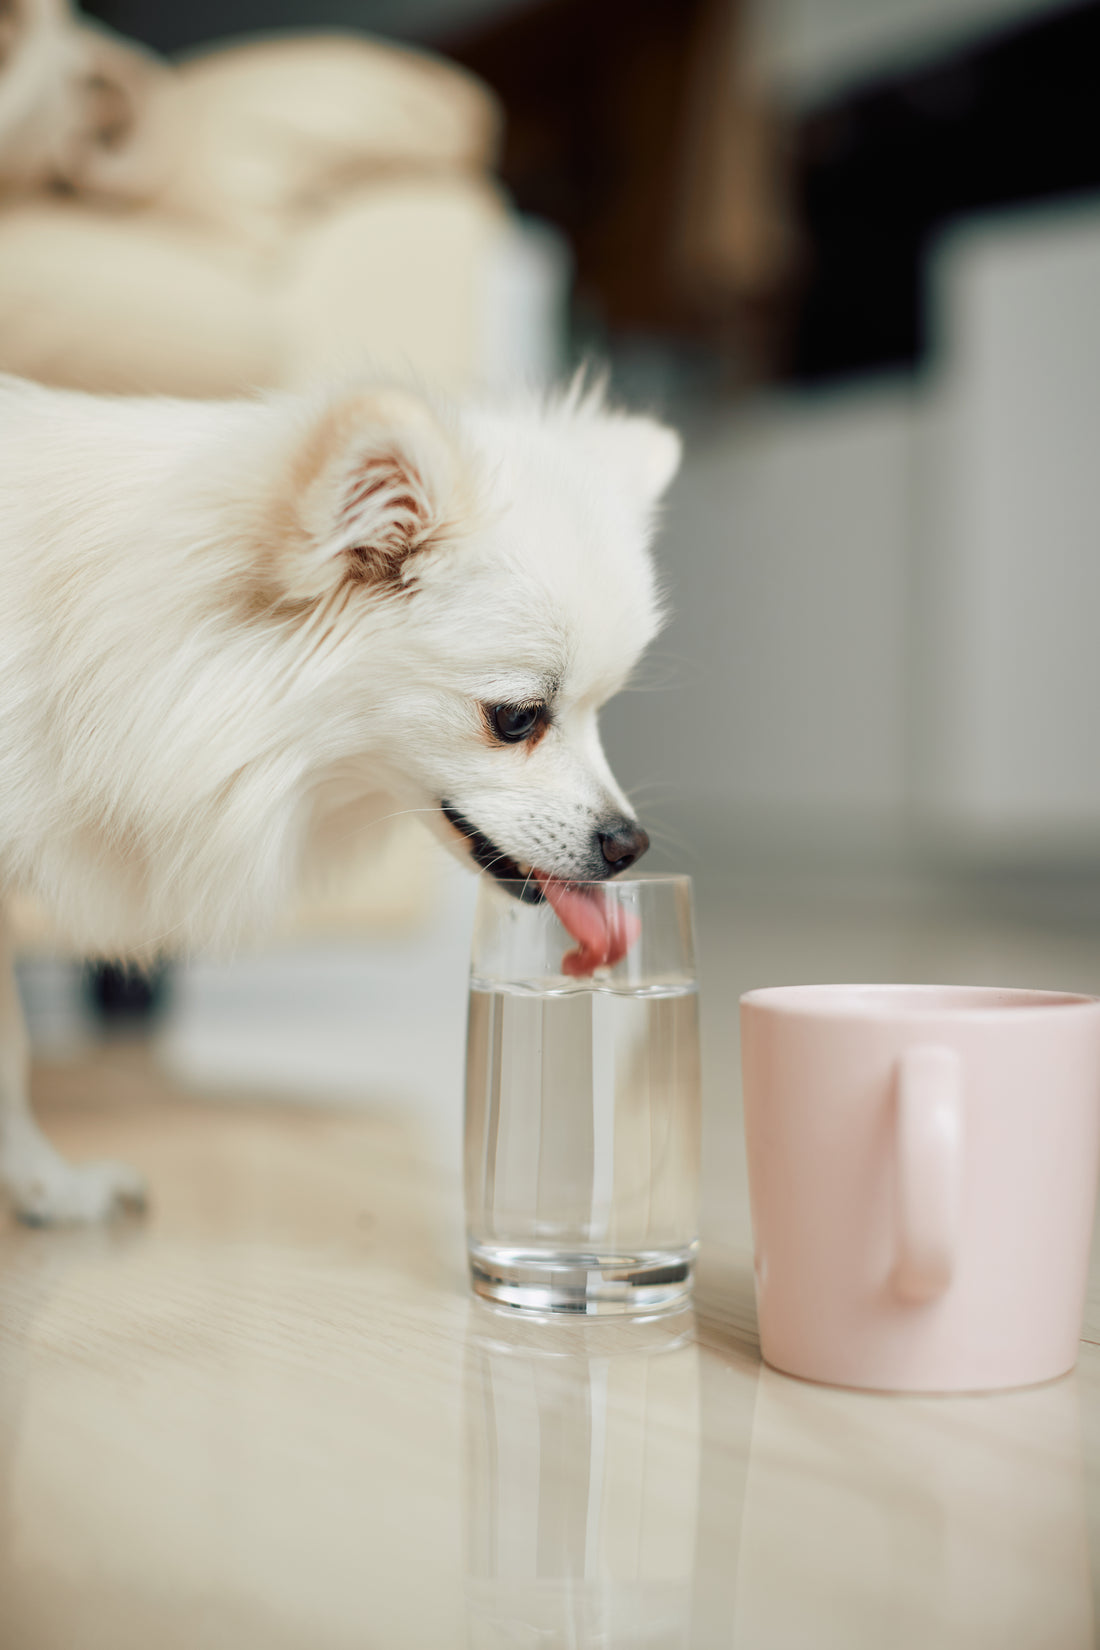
(43, 1188)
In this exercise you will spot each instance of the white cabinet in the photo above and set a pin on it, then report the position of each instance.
(1007, 539)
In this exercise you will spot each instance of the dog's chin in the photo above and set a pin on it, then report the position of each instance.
(516, 878)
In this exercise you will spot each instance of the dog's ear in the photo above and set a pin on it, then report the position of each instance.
(658, 451)
(375, 486)
(645, 452)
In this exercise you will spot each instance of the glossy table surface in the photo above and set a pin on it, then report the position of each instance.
(270, 1415)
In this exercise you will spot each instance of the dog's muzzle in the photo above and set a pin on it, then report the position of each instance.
(617, 844)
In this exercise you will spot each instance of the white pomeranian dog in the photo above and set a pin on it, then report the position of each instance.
(231, 634)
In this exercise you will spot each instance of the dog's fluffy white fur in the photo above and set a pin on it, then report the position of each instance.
(232, 634)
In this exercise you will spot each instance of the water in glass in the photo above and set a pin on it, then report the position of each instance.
(582, 1141)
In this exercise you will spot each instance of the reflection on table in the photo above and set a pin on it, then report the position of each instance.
(907, 1522)
(582, 1481)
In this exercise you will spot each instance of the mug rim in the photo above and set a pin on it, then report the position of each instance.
(880, 1000)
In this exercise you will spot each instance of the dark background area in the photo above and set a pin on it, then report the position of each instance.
(596, 100)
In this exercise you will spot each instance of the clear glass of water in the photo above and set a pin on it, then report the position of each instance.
(583, 1101)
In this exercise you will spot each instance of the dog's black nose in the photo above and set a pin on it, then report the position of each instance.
(622, 843)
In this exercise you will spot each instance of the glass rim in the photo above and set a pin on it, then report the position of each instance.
(648, 879)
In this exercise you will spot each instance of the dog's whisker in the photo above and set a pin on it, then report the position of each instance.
(382, 819)
(652, 788)
(527, 881)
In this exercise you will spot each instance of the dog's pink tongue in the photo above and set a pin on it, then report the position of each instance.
(604, 932)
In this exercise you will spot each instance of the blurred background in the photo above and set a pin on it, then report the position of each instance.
(851, 249)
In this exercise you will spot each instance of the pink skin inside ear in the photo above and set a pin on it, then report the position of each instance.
(604, 932)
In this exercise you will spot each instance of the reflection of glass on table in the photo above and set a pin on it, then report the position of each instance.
(582, 1477)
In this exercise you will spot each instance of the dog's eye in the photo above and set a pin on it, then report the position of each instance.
(515, 723)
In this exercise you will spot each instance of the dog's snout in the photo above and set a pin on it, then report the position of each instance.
(622, 841)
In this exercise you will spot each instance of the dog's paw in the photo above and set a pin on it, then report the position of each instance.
(49, 1191)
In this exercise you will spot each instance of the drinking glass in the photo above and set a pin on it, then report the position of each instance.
(582, 1102)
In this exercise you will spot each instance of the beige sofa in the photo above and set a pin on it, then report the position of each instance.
(268, 212)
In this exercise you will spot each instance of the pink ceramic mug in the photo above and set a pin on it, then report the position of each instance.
(922, 1174)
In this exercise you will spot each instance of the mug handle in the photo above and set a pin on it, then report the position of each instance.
(929, 1170)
